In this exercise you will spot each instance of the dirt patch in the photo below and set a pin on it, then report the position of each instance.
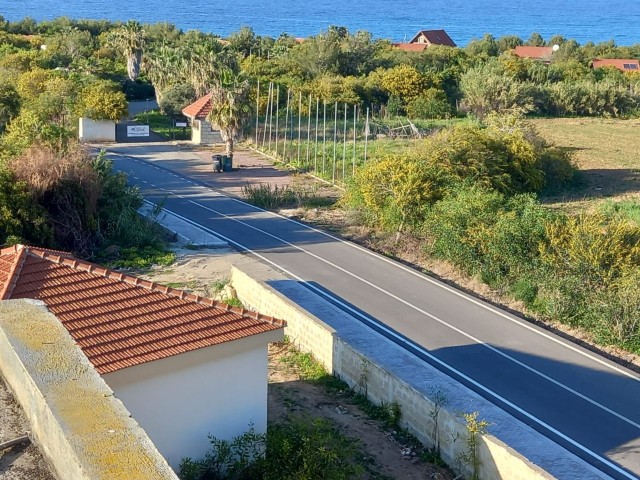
(387, 457)
(23, 462)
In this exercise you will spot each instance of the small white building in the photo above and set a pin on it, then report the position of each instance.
(184, 366)
(202, 131)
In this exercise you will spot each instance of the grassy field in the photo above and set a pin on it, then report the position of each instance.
(606, 153)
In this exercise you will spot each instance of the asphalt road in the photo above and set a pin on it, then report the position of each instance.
(581, 400)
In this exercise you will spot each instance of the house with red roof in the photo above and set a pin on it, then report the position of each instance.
(542, 54)
(202, 132)
(426, 38)
(184, 366)
(622, 64)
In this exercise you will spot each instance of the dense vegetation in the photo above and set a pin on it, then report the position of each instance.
(469, 191)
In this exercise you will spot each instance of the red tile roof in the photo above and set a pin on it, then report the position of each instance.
(118, 320)
(200, 108)
(541, 53)
(411, 47)
(434, 37)
(624, 64)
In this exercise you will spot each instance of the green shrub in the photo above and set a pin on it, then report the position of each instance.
(267, 196)
(298, 448)
(433, 103)
(456, 225)
(394, 191)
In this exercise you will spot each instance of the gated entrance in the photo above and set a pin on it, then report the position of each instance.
(132, 132)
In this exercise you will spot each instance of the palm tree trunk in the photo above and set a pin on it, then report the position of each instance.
(133, 64)
(230, 147)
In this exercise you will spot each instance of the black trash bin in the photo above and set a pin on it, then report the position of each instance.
(227, 163)
(218, 164)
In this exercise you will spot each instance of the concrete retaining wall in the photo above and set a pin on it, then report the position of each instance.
(399, 381)
(81, 428)
(97, 130)
(308, 332)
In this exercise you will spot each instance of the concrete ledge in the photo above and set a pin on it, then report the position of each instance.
(370, 362)
(80, 427)
(184, 230)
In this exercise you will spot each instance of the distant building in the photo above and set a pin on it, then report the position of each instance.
(426, 38)
(543, 54)
(202, 132)
(184, 366)
(623, 64)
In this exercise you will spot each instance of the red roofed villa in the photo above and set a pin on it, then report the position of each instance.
(623, 64)
(535, 53)
(202, 132)
(183, 365)
(426, 38)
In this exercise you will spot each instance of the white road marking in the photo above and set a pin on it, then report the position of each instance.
(404, 341)
(432, 281)
(424, 312)
(520, 322)
(463, 295)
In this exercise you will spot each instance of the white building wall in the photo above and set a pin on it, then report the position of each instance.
(96, 130)
(181, 400)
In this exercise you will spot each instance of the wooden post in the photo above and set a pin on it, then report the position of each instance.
(270, 115)
(324, 139)
(286, 125)
(344, 143)
(266, 115)
(315, 162)
(299, 123)
(335, 143)
(308, 130)
(257, 111)
(277, 116)
(366, 135)
(353, 160)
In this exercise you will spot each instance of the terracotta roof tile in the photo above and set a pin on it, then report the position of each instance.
(525, 51)
(200, 108)
(624, 64)
(118, 320)
(411, 47)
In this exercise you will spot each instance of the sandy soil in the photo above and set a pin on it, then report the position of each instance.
(23, 462)
(290, 396)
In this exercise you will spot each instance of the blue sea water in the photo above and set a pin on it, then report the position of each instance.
(583, 20)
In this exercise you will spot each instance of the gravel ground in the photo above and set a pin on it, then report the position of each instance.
(23, 462)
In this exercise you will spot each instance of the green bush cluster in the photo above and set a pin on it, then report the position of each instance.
(470, 193)
(70, 201)
(299, 448)
(580, 270)
(396, 191)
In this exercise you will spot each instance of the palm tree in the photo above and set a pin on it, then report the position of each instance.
(230, 106)
(130, 39)
(163, 66)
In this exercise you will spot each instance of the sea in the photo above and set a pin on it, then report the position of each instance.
(396, 20)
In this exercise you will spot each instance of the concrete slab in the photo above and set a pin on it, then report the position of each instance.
(187, 233)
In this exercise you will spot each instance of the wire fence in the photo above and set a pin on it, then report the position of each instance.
(327, 139)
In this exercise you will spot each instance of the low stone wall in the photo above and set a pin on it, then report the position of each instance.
(396, 383)
(307, 332)
(80, 427)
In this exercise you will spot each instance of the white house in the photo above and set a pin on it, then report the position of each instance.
(184, 366)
